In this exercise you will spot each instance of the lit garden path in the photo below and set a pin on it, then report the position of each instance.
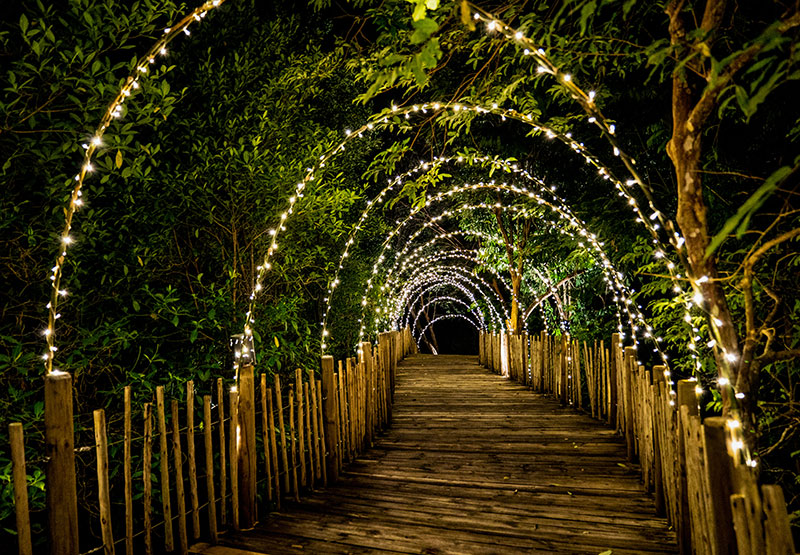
(473, 463)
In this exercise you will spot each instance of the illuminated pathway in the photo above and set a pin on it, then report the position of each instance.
(473, 463)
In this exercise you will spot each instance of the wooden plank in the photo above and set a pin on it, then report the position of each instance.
(209, 446)
(163, 463)
(20, 479)
(103, 495)
(180, 493)
(455, 474)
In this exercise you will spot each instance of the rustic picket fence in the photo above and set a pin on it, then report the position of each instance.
(699, 480)
(308, 428)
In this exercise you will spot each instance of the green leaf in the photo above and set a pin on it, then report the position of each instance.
(586, 12)
(741, 219)
(424, 28)
(466, 17)
(419, 73)
(23, 23)
(135, 305)
(419, 11)
(118, 163)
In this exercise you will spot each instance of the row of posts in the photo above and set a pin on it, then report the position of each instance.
(372, 411)
(695, 468)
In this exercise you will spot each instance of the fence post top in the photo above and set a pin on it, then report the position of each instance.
(57, 375)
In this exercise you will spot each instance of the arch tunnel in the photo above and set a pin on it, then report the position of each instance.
(254, 222)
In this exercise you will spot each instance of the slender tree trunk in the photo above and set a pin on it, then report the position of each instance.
(685, 151)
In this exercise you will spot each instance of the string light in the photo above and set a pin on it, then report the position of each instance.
(586, 101)
(114, 110)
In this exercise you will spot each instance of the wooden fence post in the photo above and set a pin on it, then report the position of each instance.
(147, 474)
(719, 474)
(180, 493)
(628, 365)
(687, 397)
(247, 447)
(62, 495)
(208, 442)
(298, 388)
(163, 462)
(613, 372)
(20, 488)
(234, 441)
(103, 494)
(777, 530)
(223, 472)
(192, 460)
(365, 353)
(562, 362)
(127, 473)
(330, 413)
(282, 425)
(658, 468)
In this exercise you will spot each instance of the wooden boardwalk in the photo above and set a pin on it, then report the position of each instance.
(473, 463)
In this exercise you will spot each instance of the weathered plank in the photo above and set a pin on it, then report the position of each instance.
(474, 463)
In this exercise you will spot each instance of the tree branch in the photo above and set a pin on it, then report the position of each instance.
(778, 356)
(708, 100)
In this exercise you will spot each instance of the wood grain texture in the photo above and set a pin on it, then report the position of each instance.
(474, 463)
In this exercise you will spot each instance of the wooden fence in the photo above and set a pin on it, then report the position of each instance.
(232, 446)
(695, 469)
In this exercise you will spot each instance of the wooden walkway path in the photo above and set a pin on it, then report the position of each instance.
(473, 463)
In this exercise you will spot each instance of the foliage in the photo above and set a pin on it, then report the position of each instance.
(191, 180)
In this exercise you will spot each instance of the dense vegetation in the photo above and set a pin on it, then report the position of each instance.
(192, 178)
